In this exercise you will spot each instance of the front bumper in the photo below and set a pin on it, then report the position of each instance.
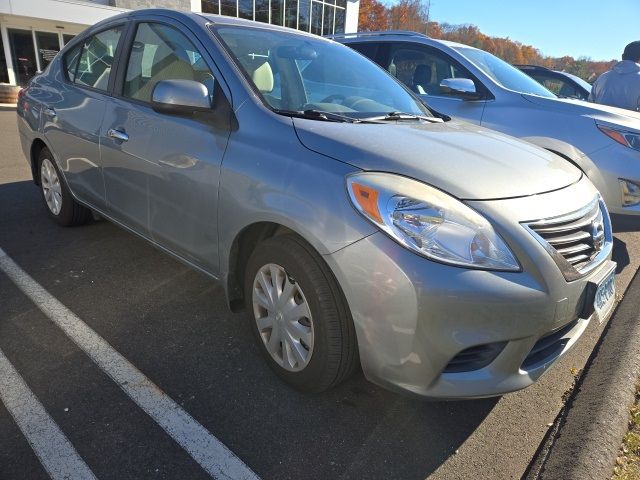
(413, 316)
(615, 162)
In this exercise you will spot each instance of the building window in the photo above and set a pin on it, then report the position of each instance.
(277, 12)
(304, 13)
(23, 54)
(328, 17)
(66, 38)
(322, 17)
(210, 6)
(291, 14)
(245, 9)
(316, 17)
(229, 7)
(262, 11)
(340, 20)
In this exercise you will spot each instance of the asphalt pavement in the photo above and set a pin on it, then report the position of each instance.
(172, 325)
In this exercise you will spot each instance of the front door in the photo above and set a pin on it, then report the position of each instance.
(161, 171)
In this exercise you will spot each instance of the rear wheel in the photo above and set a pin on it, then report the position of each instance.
(298, 315)
(57, 198)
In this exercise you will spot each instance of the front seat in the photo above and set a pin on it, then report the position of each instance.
(167, 65)
(422, 80)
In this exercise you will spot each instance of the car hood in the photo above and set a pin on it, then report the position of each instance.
(602, 113)
(465, 160)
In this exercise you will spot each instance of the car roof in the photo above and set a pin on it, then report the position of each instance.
(394, 35)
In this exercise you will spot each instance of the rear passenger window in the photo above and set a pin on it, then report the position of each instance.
(94, 66)
(71, 61)
(161, 53)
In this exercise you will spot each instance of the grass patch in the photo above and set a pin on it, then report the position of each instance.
(628, 462)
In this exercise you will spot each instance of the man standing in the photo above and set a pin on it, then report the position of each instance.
(620, 86)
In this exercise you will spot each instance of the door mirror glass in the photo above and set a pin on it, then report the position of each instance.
(181, 97)
(459, 86)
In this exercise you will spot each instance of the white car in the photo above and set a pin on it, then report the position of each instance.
(471, 84)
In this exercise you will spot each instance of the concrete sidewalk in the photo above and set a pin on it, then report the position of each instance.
(587, 438)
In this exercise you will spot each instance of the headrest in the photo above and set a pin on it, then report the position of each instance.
(263, 78)
(422, 73)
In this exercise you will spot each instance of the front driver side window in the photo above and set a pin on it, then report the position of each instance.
(422, 69)
(160, 52)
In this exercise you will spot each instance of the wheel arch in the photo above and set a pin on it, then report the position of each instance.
(36, 147)
(242, 246)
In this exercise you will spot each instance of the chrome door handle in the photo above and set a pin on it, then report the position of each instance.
(118, 135)
(50, 112)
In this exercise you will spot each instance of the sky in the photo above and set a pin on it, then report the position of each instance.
(591, 28)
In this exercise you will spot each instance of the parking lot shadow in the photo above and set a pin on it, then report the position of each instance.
(620, 254)
(172, 323)
(625, 223)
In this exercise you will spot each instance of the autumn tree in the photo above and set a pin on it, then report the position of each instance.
(409, 15)
(373, 16)
(414, 15)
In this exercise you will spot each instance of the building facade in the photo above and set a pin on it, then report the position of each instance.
(33, 31)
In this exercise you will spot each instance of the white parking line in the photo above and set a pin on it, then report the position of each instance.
(212, 455)
(57, 455)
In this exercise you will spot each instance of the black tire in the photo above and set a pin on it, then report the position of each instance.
(71, 212)
(335, 355)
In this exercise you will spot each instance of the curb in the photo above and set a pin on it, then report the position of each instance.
(586, 437)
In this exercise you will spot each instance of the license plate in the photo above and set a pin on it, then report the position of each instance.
(605, 296)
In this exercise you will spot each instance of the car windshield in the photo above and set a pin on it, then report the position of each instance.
(293, 72)
(584, 84)
(505, 74)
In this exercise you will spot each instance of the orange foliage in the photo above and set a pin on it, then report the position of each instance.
(413, 15)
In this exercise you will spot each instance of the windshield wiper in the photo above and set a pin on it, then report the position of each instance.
(319, 115)
(391, 116)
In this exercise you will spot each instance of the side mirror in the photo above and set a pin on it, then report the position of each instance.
(180, 97)
(459, 86)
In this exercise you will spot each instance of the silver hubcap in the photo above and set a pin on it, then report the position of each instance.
(283, 317)
(51, 186)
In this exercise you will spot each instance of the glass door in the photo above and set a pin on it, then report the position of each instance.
(4, 73)
(48, 44)
(24, 55)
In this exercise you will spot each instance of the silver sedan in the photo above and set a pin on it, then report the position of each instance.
(354, 225)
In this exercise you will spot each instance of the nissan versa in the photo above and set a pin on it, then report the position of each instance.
(352, 224)
(473, 85)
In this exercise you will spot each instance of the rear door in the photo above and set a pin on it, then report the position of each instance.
(73, 115)
(161, 171)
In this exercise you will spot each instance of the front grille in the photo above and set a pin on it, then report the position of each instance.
(474, 358)
(576, 241)
(549, 346)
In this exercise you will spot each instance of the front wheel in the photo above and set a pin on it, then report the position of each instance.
(298, 315)
(61, 206)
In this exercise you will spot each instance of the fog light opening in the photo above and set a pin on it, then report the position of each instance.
(630, 193)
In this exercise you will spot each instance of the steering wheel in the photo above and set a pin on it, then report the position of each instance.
(333, 98)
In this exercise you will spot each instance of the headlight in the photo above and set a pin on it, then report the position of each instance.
(624, 137)
(429, 221)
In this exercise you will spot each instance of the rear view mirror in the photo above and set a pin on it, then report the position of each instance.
(459, 86)
(298, 52)
(180, 97)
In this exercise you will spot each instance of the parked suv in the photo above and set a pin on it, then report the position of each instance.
(351, 224)
(473, 85)
(562, 84)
